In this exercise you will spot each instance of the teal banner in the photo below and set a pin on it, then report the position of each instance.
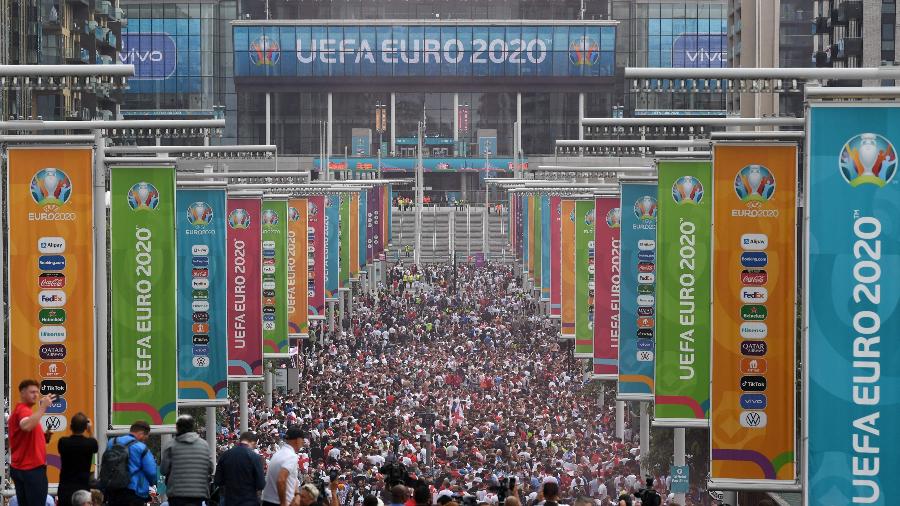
(545, 248)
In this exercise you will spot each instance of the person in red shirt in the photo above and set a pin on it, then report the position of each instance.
(28, 445)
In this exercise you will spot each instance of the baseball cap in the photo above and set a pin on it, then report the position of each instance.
(293, 432)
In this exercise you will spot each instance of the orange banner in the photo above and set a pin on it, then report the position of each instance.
(754, 306)
(531, 231)
(51, 303)
(567, 268)
(298, 280)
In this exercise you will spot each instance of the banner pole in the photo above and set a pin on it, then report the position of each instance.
(645, 436)
(267, 385)
(3, 371)
(620, 420)
(245, 423)
(101, 383)
(679, 456)
(211, 433)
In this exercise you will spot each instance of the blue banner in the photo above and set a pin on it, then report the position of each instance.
(166, 55)
(332, 245)
(202, 347)
(545, 247)
(579, 49)
(853, 304)
(363, 226)
(637, 347)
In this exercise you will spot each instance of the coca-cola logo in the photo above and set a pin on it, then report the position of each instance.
(754, 278)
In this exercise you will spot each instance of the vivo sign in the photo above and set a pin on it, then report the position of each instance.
(154, 55)
(700, 50)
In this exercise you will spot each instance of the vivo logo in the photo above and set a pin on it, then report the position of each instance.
(200, 350)
(646, 244)
(645, 345)
(754, 242)
(754, 295)
(51, 245)
(153, 55)
(753, 401)
(57, 406)
(754, 330)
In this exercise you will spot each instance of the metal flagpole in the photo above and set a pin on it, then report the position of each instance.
(679, 456)
(101, 375)
(645, 436)
(419, 197)
(244, 403)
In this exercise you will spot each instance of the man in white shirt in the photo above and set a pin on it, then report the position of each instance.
(281, 476)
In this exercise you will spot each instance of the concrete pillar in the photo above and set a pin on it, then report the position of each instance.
(268, 118)
(331, 316)
(211, 433)
(244, 405)
(679, 456)
(620, 419)
(330, 131)
(393, 124)
(341, 309)
(645, 436)
(518, 131)
(268, 382)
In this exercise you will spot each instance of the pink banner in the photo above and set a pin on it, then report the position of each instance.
(555, 259)
(316, 258)
(606, 288)
(244, 237)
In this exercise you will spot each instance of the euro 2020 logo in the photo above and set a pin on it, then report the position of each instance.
(199, 214)
(754, 183)
(264, 51)
(293, 214)
(584, 51)
(687, 190)
(589, 218)
(868, 159)
(312, 209)
(50, 188)
(239, 219)
(645, 208)
(143, 196)
(614, 218)
(269, 217)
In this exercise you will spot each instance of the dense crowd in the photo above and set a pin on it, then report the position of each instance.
(452, 381)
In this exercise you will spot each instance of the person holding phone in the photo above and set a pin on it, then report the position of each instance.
(76, 452)
(28, 444)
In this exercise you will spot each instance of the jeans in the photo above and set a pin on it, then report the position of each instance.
(125, 497)
(31, 486)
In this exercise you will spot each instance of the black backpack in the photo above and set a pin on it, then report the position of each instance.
(114, 474)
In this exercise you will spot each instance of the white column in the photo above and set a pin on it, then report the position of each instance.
(211, 433)
(679, 456)
(341, 309)
(518, 133)
(244, 405)
(580, 119)
(393, 125)
(330, 131)
(331, 316)
(267, 387)
(269, 118)
(455, 120)
(645, 436)
(100, 293)
(620, 419)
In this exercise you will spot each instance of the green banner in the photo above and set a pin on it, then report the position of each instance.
(143, 268)
(274, 279)
(344, 255)
(584, 279)
(683, 291)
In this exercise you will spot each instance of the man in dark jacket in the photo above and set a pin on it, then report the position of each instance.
(186, 465)
(240, 473)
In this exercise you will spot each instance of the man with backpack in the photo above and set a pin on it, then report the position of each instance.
(127, 468)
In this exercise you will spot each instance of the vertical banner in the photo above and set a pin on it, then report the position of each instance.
(143, 267)
(274, 279)
(683, 293)
(371, 223)
(567, 268)
(244, 254)
(387, 217)
(754, 307)
(332, 245)
(545, 248)
(363, 222)
(555, 256)
(202, 349)
(376, 210)
(584, 279)
(852, 300)
(50, 212)
(344, 242)
(315, 258)
(526, 236)
(637, 260)
(353, 237)
(298, 268)
(606, 283)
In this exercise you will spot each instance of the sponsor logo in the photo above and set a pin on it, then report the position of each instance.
(754, 242)
(294, 214)
(868, 158)
(645, 209)
(52, 280)
(754, 277)
(645, 323)
(51, 188)
(753, 365)
(754, 183)
(200, 316)
(754, 330)
(200, 283)
(268, 285)
(51, 262)
(614, 218)
(269, 253)
(268, 244)
(269, 310)
(53, 423)
(753, 401)
(754, 259)
(199, 250)
(645, 356)
(199, 306)
(200, 261)
(52, 316)
(52, 369)
(753, 383)
(53, 386)
(645, 344)
(645, 300)
(645, 310)
(646, 245)
(268, 261)
(589, 220)
(269, 326)
(58, 406)
(268, 317)
(264, 51)
(200, 273)
(646, 277)
(754, 294)
(754, 312)
(584, 51)
(268, 301)
(199, 350)
(200, 328)
(199, 214)
(52, 334)
(51, 245)
(754, 348)
(645, 289)
(143, 196)
(269, 218)
(687, 190)
(268, 293)
(200, 361)
(200, 294)
(753, 419)
(646, 256)
(52, 298)
(268, 269)
(239, 219)
(646, 267)
(200, 339)
(52, 351)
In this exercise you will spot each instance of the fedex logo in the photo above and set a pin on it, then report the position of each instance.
(52, 298)
(754, 295)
